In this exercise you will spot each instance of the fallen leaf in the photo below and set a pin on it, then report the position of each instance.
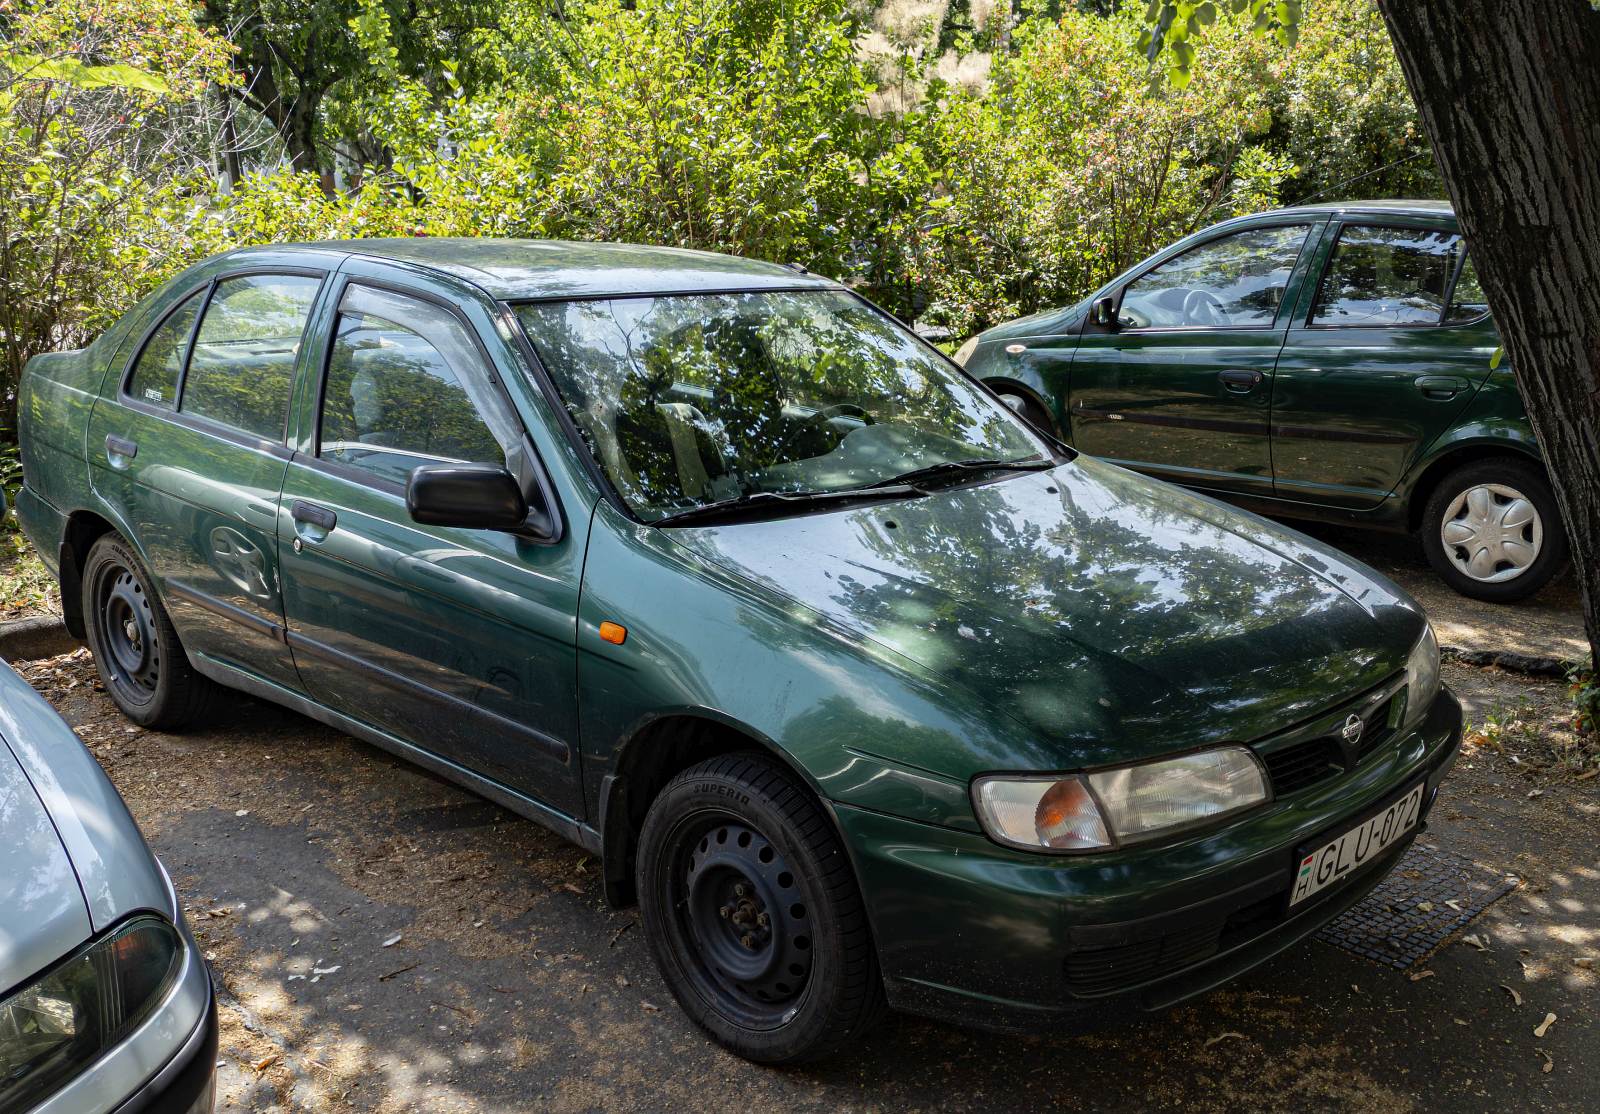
(1425, 906)
(1220, 1037)
(243, 812)
(1476, 941)
(1549, 1064)
(1516, 999)
(393, 940)
(1586, 775)
(1532, 793)
(1584, 961)
(1418, 976)
(327, 970)
(266, 1062)
(1456, 905)
(651, 1007)
(1544, 1026)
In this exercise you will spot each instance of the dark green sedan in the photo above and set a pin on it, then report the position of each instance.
(1328, 362)
(866, 692)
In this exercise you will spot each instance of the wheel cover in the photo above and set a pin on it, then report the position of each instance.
(126, 623)
(1492, 533)
(740, 920)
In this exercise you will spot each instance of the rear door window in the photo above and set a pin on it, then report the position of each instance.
(242, 368)
(1380, 276)
(155, 377)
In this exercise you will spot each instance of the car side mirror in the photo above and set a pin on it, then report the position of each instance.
(469, 496)
(1104, 312)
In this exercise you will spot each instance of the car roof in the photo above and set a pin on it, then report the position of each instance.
(1393, 207)
(514, 270)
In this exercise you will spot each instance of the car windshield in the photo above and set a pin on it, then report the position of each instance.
(689, 400)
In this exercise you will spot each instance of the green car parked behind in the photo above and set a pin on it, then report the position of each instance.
(1325, 362)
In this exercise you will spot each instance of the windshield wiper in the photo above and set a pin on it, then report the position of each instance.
(755, 502)
(951, 468)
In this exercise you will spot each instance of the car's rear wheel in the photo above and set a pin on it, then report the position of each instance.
(753, 912)
(1492, 530)
(141, 661)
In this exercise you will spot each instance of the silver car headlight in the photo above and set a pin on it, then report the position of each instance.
(55, 1027)
(1107, 808)
(964, 353)
(1422, 675)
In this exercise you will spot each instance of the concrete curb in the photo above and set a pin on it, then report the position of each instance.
(37, 636)
(1528, 665)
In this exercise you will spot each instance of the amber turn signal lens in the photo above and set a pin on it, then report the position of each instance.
(613, 633)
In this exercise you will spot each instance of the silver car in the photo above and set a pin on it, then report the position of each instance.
(105, 1004)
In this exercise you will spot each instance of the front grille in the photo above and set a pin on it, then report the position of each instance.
(1304, 764)
(1094, 971)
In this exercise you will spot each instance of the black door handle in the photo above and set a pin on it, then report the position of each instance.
(120, 446)
(320, 517)
(1441, 388)
(1240, 382)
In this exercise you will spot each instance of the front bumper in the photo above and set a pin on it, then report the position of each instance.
(977, 933)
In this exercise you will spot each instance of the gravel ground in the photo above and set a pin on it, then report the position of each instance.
(386, 942)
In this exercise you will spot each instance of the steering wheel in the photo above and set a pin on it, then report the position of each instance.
(811, 421)
(1201, 307)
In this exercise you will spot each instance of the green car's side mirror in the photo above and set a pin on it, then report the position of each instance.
(1104, 312)
(470, 496)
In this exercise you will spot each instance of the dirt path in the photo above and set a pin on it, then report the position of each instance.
(301, 854)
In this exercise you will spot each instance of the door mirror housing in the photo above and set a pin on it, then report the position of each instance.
(469, 496)
(1104, 313)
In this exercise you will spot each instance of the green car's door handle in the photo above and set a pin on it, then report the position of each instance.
(1240, 382)
(311, 522)
(120, 451)
(1441, 388)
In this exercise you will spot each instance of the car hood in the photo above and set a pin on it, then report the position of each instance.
(42, 912)
(1113, 617)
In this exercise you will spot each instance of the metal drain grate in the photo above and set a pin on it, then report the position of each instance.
(1429, 895)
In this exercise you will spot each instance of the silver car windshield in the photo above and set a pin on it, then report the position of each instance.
(687, 400)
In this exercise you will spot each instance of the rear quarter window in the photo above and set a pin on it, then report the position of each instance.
(155, 376)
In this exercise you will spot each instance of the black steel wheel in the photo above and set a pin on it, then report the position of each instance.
(753, 912)
(140, 660)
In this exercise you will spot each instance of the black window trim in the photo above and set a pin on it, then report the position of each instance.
(209, 426)
(532, 473)
(1344, 221)
(1309, 224)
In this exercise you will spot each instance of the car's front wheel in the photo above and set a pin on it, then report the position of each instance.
(1492, 530)
(141, 661)
(753, 912)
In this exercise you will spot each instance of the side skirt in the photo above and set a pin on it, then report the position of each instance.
(559, 822)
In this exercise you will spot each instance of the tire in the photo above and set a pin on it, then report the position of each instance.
(141, 662)
(1028, 409)
(1483, 540)
(753, 913)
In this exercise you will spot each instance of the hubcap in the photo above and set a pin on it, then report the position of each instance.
(132, 657)
(744, 915)
(1492, 533)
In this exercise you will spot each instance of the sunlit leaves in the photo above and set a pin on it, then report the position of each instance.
(70, 71)
(1166, 38)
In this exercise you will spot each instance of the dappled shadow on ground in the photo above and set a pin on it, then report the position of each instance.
(301, 854)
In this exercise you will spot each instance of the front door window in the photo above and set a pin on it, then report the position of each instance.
(1235, 282)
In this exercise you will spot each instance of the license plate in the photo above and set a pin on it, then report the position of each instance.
(1344, 854)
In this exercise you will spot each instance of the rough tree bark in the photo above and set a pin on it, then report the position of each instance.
(1509, 92)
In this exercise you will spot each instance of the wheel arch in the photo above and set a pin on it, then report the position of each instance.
(83, 528)
(653, 754)
(1454, 456)
(1003, 385)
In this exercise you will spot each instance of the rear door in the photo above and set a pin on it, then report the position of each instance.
(459, 642)
(1182, 386)
(1384, 356)
(190, 452)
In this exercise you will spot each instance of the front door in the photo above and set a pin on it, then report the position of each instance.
(1395, 343)
(190, 451)
(459, 642)
(1182, 386)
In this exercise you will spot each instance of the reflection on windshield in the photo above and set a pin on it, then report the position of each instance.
(695, 399)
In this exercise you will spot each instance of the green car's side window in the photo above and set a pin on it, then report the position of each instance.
(1380, 276)
(1232, 282)
(155, 377)
(401, 395)
(1467, 301)
(244, 355)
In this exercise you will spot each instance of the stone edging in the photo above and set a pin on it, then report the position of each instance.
(37, 636)
(1528, 665)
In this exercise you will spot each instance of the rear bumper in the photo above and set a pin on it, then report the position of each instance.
(972, 932)
(43, 524)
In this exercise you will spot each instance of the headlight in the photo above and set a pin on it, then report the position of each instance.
(964, 353)
(1422, 675)
(53, 1029)
(1084, 812)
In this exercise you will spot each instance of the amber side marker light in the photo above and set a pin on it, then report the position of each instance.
(613, 633)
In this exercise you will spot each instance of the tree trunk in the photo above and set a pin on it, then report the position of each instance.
(1509, 92)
